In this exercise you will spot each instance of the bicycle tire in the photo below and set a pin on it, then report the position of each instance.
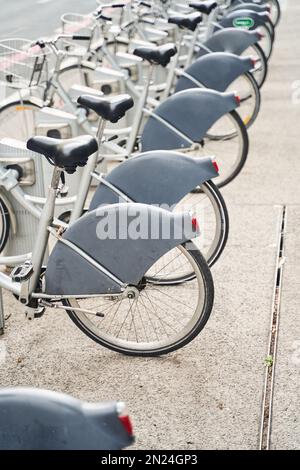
(257, 100)
(278, 12)
(19, 105)
(264, 64)
(268, 38)
(249, 120)
(245, 151)
(84, 324)
(5, 225)
(221, 238)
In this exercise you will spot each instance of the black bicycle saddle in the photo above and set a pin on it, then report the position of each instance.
(111, 109)
(64, 153)
(157, 54)
(189, 21)
(204, 7)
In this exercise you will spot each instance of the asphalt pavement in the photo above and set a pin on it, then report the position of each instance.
(36, 18)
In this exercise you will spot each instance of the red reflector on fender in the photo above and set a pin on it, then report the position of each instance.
(215, 165)
(125, 420)
(195, 224)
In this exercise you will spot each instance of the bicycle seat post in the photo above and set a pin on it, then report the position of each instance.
(139, 111)
(108, 109)
(192, 46)
(212, 21)
(173, 65)
(43, 233)
(86, 179)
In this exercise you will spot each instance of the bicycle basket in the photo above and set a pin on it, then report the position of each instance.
(22, 64)
(82, 25)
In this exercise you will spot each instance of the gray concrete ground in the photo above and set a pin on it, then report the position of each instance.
(208, 395)
(37, 18)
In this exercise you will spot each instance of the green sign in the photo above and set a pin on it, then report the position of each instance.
(244, 22)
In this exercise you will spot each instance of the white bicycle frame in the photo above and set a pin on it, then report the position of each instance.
(9, 182)
(26, 289)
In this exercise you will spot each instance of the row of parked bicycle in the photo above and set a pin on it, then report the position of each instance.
(140, 295)
(149, 84)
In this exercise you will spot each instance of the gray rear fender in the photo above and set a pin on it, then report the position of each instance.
(216, 71)
(29, 415)
(191, 112)
(241, 3)
(125, 239)
(258, 19)
(232, 40)
(158, 177)
(248, 6)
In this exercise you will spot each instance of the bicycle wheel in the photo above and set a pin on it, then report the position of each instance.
(227, 140)
(260, 71)
(208, 206)
(82, 74)
(4, 224)
(275, 11)
(248, 91)
(157, 320)
(211, 213)
(18, 119)
(266, 42)
(271, 28)
(79, 74)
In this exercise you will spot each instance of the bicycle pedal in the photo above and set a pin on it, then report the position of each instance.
(22, 273)
(33, 313)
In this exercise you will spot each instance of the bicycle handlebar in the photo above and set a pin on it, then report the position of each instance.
(42, 43)
(110, 5)
(79, 37)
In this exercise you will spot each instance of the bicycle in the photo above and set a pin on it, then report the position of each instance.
(248, 17)
(134, 183)
(233, 72)
(108, 275)
(232, 40)
(275, 7)
(226, 134)
(241, 80)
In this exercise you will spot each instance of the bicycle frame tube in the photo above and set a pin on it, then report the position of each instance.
(139, 113)
(87, 177)
(9, 182)
(42, 239)
(7, 283)
(172, 69)
(211, 22)
(43, 234)
(192, 45)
